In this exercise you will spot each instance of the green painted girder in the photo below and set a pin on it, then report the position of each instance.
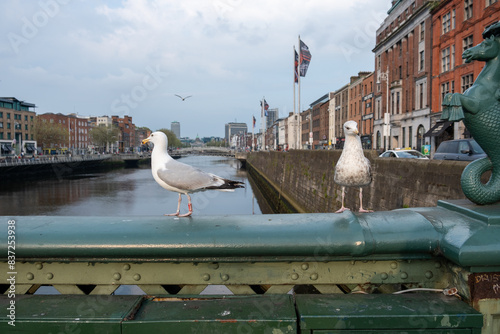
(458, 233)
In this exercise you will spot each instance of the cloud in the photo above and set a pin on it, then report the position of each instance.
(226, 53)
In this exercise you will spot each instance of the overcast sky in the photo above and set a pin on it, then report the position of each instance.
(130, 57)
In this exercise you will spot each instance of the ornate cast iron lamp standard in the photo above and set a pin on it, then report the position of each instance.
(386, 130)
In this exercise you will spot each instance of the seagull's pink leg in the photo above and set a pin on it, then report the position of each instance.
(361, 202)
(190, 206)
(178, 208)
(343, 208)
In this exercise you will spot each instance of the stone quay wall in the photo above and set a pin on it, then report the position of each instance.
(305, 179)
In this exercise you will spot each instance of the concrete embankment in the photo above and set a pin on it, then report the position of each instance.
(303, 181)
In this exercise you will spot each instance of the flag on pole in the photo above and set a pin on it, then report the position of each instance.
(305, 58)
(266, 106)
(296, 68)
(253, 121)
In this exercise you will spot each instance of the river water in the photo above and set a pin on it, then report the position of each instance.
(125, 192)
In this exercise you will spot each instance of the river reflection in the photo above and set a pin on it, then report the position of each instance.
(125, 192)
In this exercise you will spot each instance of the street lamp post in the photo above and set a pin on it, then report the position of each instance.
(387, 118)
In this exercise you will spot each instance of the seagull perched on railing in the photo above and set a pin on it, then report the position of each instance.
(353, 169)
(183, 98)
(181, 178)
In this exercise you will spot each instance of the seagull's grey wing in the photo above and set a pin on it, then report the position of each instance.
(185, 177)
(178, 96)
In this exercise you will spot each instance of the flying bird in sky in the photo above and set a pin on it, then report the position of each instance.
(183, 98)
(353, 169)
(181, 178)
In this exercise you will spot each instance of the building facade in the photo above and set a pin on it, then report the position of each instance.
(78, 134)
(126, 138)
(175, 127)
(17, 119)
(233, 128)
(403, 75)
(341, 115)
(457, 26)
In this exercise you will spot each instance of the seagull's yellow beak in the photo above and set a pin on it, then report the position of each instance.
(145, 141)
(356, 132)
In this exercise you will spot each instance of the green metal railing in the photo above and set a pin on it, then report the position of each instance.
(452, 246)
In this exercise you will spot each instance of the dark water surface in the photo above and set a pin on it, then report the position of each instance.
(125, 192)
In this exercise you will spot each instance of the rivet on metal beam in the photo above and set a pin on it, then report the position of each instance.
(137, 277)
(314, 276)
(429, 274)
(126, 266)
(304, 266)
(50, 276)
(206, 277)
(295, 276)
(214, 265)
(394, 265)
(38, 265)
(225, 277)
(30, 276)
(403, 275)
(437, 265)
(117, 276)
(384, 276)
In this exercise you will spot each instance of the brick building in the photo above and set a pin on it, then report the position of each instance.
(126, 141)
(341, 103)
(16, 127)
(457, 26)
(356, 104)
(78, 138)
(366, 126)
(403, 75)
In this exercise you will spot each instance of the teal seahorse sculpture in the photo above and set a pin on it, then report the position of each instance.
(479, 108)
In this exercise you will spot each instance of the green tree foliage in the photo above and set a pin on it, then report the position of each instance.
(173, 141)
(103, 135)
(47, 134)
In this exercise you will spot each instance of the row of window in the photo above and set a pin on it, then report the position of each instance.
(448, 54)
(9, 136)
(17, 126)
(449, 86)
(18, 117)
(448, 19)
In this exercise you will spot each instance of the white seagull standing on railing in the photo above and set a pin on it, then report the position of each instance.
(353, 169)
(181, 178)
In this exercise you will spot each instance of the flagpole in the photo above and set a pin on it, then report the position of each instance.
(299, 111)
(294, 76)
(253, 130)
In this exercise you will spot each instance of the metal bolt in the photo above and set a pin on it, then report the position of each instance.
(38, 265)
(117, 276)
(225, 277)
(314, 276)
(206, 277)
(394, 265)
(295, 276)
(384, 276)
(30, 276)
(50, 276)
(305, 266)
(437, 265)
(126, 266)
(429, 274)
(137, 277)
(214, 265)
(403, 275)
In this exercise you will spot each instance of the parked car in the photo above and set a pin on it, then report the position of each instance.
(459, 149)
(408, 154)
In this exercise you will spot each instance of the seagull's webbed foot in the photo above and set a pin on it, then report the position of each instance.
(364, 211)
(342, 209)
(190, 206)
